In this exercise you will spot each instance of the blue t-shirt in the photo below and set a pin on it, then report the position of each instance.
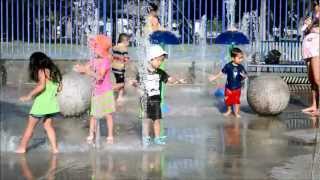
(234, 77)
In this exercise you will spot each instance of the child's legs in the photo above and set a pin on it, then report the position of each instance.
(109, 120)
(32, 122)
(51, 134)
(118, 86)
(121, 91)
(228, 99)
(237, 108)
(232, 100)
(229, 109)
(154, 114)
(92, 126)
(156, 127)
(146, 127)
(236, 102)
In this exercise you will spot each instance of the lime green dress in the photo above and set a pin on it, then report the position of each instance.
(46, 102)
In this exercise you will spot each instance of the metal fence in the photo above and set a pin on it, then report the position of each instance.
(57, 26)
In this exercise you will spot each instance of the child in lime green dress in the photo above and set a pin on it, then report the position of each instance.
(45, 106)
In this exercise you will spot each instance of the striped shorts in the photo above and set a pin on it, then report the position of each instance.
(102, 104)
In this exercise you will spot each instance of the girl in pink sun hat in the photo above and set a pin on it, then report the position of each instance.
(102, 101)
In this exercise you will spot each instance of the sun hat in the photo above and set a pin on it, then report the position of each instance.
(100, 44)
(155, 51)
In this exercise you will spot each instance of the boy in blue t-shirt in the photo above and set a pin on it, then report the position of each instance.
(235, 74)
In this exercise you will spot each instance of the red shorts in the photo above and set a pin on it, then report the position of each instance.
(232, 97)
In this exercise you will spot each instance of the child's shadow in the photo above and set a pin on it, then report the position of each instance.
(220, 104)
(247, 109)
(104, 130)
(36, 143)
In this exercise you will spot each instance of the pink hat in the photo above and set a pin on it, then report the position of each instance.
(100, 45)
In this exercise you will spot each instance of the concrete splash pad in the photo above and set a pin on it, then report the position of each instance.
(202, 144)
(302, 136)
(298, 168)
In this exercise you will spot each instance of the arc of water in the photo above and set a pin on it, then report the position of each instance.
(230, 5)
(143, 45)
(90, 27)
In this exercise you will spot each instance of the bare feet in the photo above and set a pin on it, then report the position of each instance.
(315, 113)
(20, 151)
(55, 151)
(237, 115)
(309, 109)
(120, 100)
(109, 140)
(90, 139)
(228, 113)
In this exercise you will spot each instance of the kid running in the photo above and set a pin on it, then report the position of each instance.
(45, 106)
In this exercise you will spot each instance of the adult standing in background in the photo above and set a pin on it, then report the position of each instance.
(311, 54)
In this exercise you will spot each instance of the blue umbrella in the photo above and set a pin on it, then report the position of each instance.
(163, 37)
(231, 37)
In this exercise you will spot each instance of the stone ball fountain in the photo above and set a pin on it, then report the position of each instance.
(268, 95)
(74, 99)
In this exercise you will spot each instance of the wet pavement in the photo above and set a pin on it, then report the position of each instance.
(201, 143)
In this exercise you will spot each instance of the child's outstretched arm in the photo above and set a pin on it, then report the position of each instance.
(215, 77)
(86, 69)
(41, 85)
(243, 75)
(82, 68)
(135, 82)
(173, 80)
(126, 59)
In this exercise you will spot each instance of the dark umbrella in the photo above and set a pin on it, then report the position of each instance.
(163, 37)
(232, 38)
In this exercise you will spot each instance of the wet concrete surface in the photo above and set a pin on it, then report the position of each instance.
(201, 143)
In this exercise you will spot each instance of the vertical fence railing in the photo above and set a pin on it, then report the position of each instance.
(7, 23)
(33, 21)
(211, 21)
(217, 17)
(23, 22)
(50, 30)
(188, 21)
(17, 17)
(44, 25)
(1, 22)
(51, 24)
(12, 27)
